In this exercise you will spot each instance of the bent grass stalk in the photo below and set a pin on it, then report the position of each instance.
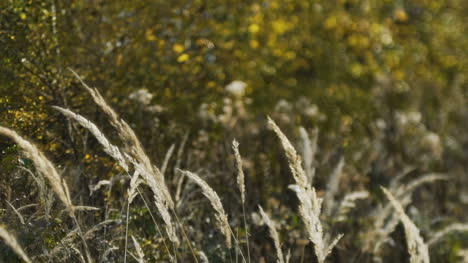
(47, 169)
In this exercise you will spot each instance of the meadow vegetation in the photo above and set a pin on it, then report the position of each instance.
(233, 131)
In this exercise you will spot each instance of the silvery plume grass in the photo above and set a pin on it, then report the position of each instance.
(385, 221)
(333, 187)
(10, 240)
(273, 233)
(136, 156)
(240, 171)
(47, 169)
(220, 215)
(133, 146)
(308, 151)
(108, 147)
(44, 166)
(417, 249)
(241, 185)
(310, 204)
(140, 254)
(349, 202)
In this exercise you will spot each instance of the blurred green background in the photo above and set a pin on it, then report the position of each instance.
(353, 59)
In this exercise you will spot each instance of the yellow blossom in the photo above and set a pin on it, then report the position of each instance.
(178, 48)
(182, 58)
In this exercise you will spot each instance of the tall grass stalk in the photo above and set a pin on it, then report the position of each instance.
(310, 204)
(241, 185)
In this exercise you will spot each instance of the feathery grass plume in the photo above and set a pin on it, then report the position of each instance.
(159, 200)
(203, 257)
(463, 253)
(109, 148)
(273, 233)
(333, 187)
(417, 249)
(241, 185)
(457, 227)
(135, 181)
(133, 146)
(220, 215)
(294, 159)
(310, 205)
(385, 222)
(348, 203)
(44, 166)
(411, 186)
(13, 244)
(144, 169)
(141, 255)
(240, 171)
(308, 151)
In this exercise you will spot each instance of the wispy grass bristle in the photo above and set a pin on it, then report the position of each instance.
(308, 151)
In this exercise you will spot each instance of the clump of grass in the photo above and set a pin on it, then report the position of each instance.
(47, 169)
(132, 145)
(44, 166)
(135, 156)
(310, 205)
(385, 221)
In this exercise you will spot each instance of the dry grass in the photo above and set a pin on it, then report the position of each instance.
(13, 244)
(220, 215)
(44, 166)
(417, 249)
(310, 205)
(138, 176)
(142, 165)
(274, 234)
